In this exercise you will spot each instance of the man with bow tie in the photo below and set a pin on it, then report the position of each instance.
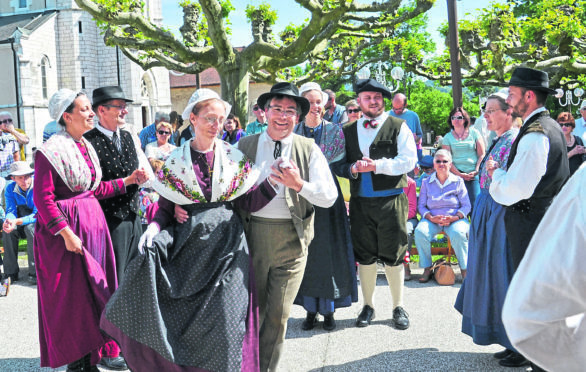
(380, 150)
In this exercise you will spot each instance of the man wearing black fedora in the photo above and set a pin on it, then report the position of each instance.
(536, 170)
(380, 150)
(278, 234)
(119, 154)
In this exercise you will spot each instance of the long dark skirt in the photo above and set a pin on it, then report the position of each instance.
(189, 303)
(329, 281)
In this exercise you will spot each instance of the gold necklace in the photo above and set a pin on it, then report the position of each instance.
(205, 160)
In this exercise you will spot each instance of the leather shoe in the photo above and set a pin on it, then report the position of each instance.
(329, 322)
(365, 317)
(400, 318)
(117, 363)
(309, 322)
(514, 360)
(503, 354)
(426, 276)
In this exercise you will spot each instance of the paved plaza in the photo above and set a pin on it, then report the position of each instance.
(432, 343)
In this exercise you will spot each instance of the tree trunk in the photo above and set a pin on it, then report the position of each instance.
(235, 91)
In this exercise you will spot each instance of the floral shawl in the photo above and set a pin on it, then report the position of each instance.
(332, 144)
(63, 154)
(233, 175)
(500, 153)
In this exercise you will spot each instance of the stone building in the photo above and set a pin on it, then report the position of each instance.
(46, 45)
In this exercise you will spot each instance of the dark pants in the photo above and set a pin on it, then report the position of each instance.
(10, 241)
(125, 235)
(520, 227)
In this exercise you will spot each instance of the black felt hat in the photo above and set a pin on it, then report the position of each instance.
(524, 77)
(288, 90)
(371, 85)
(105, 94)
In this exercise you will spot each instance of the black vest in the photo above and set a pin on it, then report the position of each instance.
(557, 169)
(116, 165)
(384, 146)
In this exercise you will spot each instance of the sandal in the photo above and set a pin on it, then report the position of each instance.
(426, 276)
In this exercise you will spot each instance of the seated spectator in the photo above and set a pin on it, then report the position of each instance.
(443, 206)
(426, 165)
(574, 144)
(21, 215)
(161, 149)
(412, 221)
(232, 130)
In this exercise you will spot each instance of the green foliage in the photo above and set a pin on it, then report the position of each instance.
(262, 12)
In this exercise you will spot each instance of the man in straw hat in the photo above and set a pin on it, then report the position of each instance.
(537, 167)
(380, 150)
(21, 215)
(279, 233)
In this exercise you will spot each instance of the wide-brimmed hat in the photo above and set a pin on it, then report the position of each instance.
(288, 90)
(426, 161)
(524, 77)
(20, 168)
(314, 86)
(105, 94)
(201, 95)
(371, 85)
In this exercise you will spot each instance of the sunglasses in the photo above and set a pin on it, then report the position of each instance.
(163, 133)
(441, 162)
(5, 121)
(566, 125)
(353, 111)
(457, 117)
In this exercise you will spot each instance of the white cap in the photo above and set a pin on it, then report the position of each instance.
(314, 86)
(201, 95)
(60, 101)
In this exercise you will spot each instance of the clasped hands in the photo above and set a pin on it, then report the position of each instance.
(443, 220)
(364, 165)
(139, 176)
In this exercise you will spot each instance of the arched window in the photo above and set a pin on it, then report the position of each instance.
(44, 65)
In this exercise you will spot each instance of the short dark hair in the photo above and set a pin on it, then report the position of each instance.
(464, 114)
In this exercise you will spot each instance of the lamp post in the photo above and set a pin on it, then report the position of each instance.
(578, 92)
(397, 74)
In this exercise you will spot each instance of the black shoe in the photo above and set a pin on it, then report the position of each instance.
(13, 277)
(309, 321)
(503, 354)
(514, 360)
(117, 363)
(365, 317)
(329, 322)
(32, 280)
(400, 318)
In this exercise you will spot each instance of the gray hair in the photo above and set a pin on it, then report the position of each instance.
(162, 116)
(352, 102)
(443, 152)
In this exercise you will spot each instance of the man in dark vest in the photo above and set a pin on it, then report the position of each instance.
(380, 150)
(278, 234)
(537, 167)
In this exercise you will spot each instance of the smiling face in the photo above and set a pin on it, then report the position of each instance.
(316, 105)
(497, 119)
(441, 164)
(282, 117)
(112, 114)
(372, 104)
(210, 117)
(81, 119)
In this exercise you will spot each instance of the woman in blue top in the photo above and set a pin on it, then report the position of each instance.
(467, 148)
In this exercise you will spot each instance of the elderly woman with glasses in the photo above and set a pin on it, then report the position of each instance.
(575, 145)
(443, 205)
(466, 146)
(162, 148)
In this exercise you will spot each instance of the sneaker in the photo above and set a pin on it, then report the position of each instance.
(400, 318)
(5, 287)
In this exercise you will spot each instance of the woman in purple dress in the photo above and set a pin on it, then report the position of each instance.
(188, 303)
(75, 262)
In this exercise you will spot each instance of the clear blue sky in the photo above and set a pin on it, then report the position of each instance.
(290, 12)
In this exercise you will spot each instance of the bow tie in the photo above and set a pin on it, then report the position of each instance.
(372, 123)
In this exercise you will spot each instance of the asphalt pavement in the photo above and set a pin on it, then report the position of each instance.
(433, 342)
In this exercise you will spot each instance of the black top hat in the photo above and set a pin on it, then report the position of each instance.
(530, 78)
(105, 94)
(287, 90)
(371, 85)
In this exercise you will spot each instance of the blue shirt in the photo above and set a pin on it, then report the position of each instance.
(50, 129)
(337, 116)
(15, 197)
(412, 120)
(147, 135)
(256, 127)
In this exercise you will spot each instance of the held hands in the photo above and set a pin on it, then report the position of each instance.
(137, 177)
(147, 237)
(364, 165)
(491, 165)
(287, 174)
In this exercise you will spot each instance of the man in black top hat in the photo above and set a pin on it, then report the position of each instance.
(380, 150)
(278, 234)
(536, 169)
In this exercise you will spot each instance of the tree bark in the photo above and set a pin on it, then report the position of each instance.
(235, 90)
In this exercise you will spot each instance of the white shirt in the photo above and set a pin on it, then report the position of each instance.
(580, 129)
(320, 190)
(406, 158)
(530, 163)
(545, 304)
(143, 162)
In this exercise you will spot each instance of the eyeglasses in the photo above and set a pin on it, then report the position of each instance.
(5, 121)
(490, 112)
(286, 113)
(116, 106)
(441, 161)
(566, 125)
(353, 111)
(211, 120)
(163, 133)
(457, 117)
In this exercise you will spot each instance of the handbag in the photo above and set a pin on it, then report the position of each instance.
(442, 270)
